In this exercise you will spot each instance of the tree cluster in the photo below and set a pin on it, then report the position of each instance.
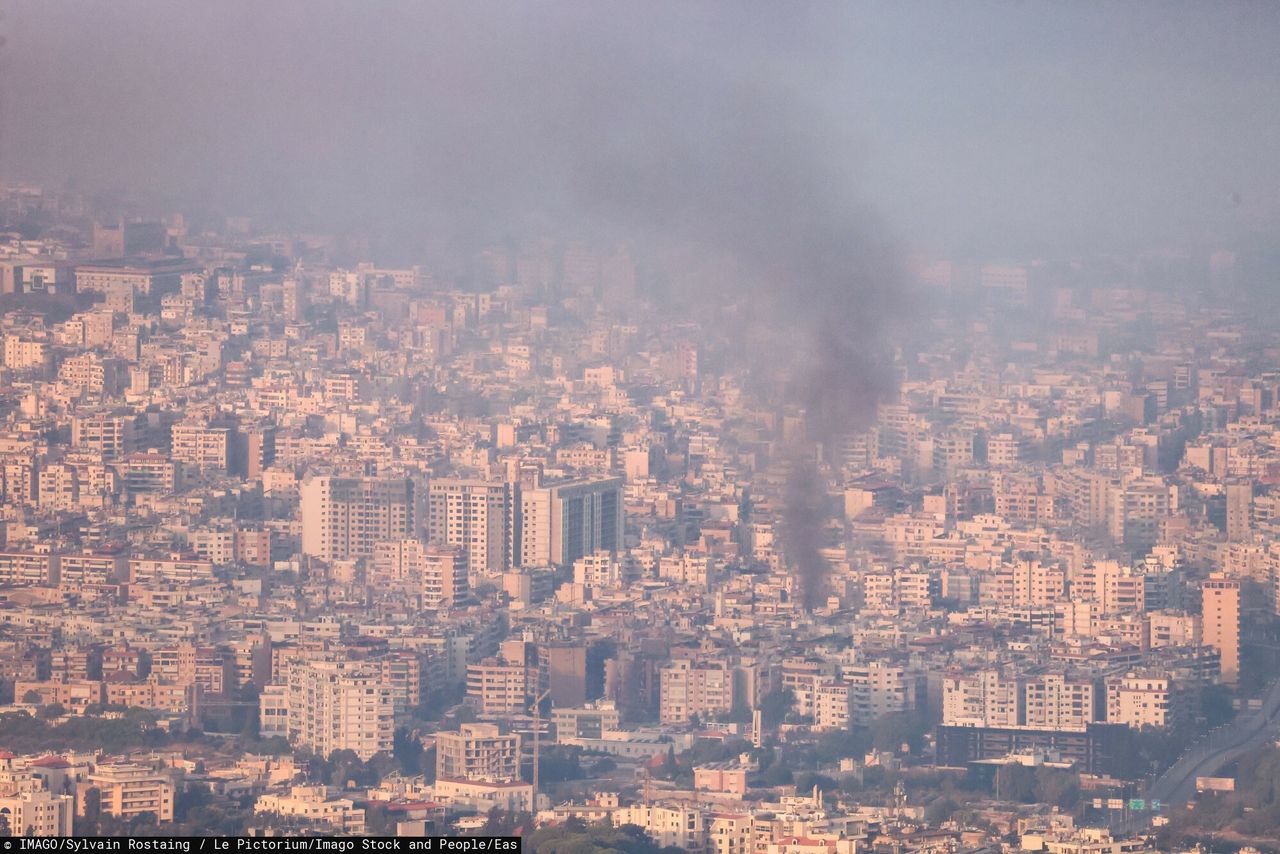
(576, 837)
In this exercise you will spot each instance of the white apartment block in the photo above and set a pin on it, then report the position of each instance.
(201, 447)
(129, 790)
(437, 574)
(315, 805)
(1054, 701)
(878, 688)
(346, 517)
(479, 753)
(339, 705)
(561, 523)
(1140, 701)
(475, 515)
(38, 813)
(688, 688)
(987, 698)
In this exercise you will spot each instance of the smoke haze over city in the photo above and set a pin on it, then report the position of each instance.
(993, 128)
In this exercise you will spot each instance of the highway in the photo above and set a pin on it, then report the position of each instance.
(1248, 731)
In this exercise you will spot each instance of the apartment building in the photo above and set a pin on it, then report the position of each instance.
(802, 677)
(315, 805)
(250, 546)
(1173, 629)
(202, 446)
(92, 568)
(339, 705)
(497, 687)
(402, 674)
(128, 790)
(138, 276)
(1220, 616)
(346, 517)
(589, 721)
(210, 667)
(1113, 586)
(25, 354)
(1137, 510)
(475, 516)
(38, 813)
(58, 487)
(39, 566)
(683, 827)
(479, 753)
(437, 574)
(1055, 701)
(93, 373)
(689, 688)
(987, 698)
(148, 473)
(832, 705)
(878, 688)
(1143, 700)
(560, 523)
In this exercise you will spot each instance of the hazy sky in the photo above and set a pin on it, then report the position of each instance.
(991, 128)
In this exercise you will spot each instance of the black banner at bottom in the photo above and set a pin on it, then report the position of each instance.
(265, 844)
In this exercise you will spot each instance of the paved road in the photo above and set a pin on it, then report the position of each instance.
(1248, 731)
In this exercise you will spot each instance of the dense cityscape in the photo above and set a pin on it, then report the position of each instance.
(296, 543)
(720, 518)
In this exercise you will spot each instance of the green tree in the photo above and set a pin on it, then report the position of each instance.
(53, 711)
(775, 705)
(1215, 705)
(842, 744)
(500, 822)
(89, 822)
(557, 764)
(142, 822)
(670, 766)
(406, 747)
(1015, 782)
(602, 766)
(190, 798)
(345, 767)
(377, 820)
(249, 727)
(1057, 787)
(892, 731)
(806, 781)
(776, 774)
(574, 837)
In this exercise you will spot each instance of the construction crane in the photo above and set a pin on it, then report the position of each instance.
(537, 741)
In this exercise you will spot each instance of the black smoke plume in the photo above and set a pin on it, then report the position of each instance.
(667, 123)
(742, 164)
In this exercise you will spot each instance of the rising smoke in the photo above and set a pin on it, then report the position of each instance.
(660, 123)
(742, 164)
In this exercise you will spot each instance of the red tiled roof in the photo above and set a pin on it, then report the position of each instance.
(51, 762)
